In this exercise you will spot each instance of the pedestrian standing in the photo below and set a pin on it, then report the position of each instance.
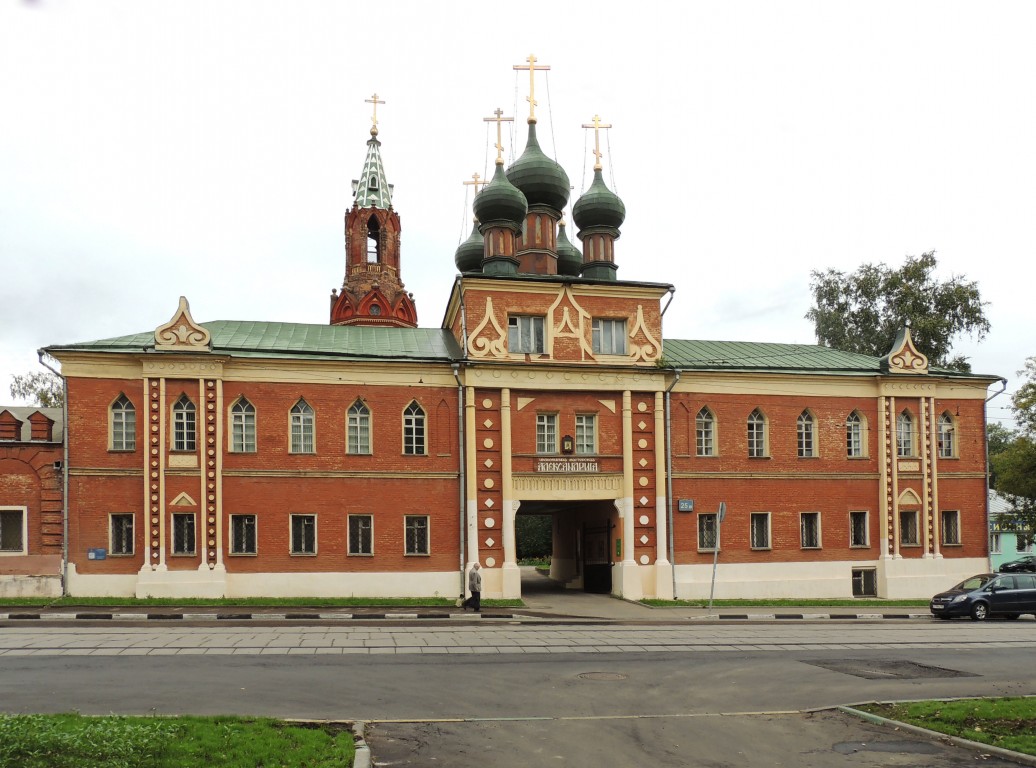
(475, 588)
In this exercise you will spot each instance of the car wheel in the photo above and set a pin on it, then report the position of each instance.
(979, 612)
(1011, 616)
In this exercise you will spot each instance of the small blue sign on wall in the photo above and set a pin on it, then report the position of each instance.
(686, 505)
(97, 553)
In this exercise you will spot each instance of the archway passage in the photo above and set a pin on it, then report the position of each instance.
(582, 541)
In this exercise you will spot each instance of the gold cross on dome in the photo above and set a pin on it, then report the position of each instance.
(375, 101)
(532, 67)
(499, 120)
(597, 125)
(477, 181)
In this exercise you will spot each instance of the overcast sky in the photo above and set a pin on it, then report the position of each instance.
(153, 149)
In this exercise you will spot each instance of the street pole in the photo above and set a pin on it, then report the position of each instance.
(715, 552)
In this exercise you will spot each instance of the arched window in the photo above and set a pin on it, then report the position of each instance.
(805, 428)
(756, 434)
(242, 427)
(414, 430)
(947, 434)
(184, 425)
(905, 434)
(854, 435)
(123, 425)
(705, 432)
(358, 429)
(373, 241)
(302, 428)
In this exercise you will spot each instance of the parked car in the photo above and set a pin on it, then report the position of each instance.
(988, 594)
(1025, 564)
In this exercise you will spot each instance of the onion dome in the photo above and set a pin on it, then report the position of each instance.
(468, 257)
(598, 206)
(570, 260)
(499, 201)
(541, 180)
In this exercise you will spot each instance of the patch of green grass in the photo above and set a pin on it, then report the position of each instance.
(1009, 723)
(508, 603)
(74, 741)
(790, 602)
(230, 602)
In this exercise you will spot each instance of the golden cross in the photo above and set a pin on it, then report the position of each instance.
(477, 181)
(375, 101)
(597, 125)
(532, 67)
(499, 120)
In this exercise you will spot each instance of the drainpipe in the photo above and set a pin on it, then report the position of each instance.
(985, 406)
(462, 476)
(64, 472)
(672, 292)
(669, 476)
(463, 315)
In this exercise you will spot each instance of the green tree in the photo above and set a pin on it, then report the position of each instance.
(998, 438)
(862, 311)
(1014, 467)
(42, 389)
(533, 536)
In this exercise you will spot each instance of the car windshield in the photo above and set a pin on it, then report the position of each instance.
(975, 582)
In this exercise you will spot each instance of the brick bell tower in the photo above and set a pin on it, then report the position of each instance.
(372, 291)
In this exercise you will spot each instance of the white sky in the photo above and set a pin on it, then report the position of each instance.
(153, 149)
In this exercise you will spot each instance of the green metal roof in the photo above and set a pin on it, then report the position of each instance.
(238, 338)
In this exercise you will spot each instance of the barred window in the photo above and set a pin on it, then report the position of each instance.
(809, 530)
(858, 530)
(760, 530)
(951, 527)
(854, 436)
(806, 431)
(303, 534)
(13, 529)
(413, 430)
(242, 534)
(123, 425)
(302, 428)
(183, 533)
(361, 535)
(546, 433)
(359, 429)
(184, 425)
(707, 522)
(586, 433)
(242, 427)
(756, 434)
(705, 432)
(416, 534)
(121, 534)
(908, 534)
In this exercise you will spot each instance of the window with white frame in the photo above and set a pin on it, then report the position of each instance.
(416, 530)
(414, 430)
(905, 434)
(546, 433)
(1021, 544)
(242, 534)
(359, 429)
(361, 534)
(809, 530)
(303, 534)
(707, 530)
(525, 334)
(123, 425)
(242, 427)
(302, 428)
(909, 536)
(945, 436)
(950, 519)
(859, 535)
(994, 543)
(756, 434)
(760, 524)
(854, 435)
(185, 428)
(609, 336)
(586, 433)
(705, 432)
(183, 533)
(805, 428)
(121, 534)
(13, 531)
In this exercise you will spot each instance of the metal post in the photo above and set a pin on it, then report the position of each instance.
(715, 552)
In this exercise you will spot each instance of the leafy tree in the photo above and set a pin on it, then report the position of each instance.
(533, 536)
(998, 438)
(862, 311)
(1015, 465)
(42, 389)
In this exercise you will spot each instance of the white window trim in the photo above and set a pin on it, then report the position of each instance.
(917, 528)
(697, 531)
(231, 424)
(592, 419)
(814, 448)
(946, 417)
(618, 331)
(820, 530)
(370, 429)
(428, 536)
(769, 531)
(862, 424)
(230, 543)
(421, 415)
(551, 450)
(312, 415)
(291, 535)
(518, 327)
(765, 425)
(188, 435)
(912, 454)
(133, 539)
(866, 528)
(349, 538)
(25, 532)
(714, 427)
(111, 425)
(994, 543)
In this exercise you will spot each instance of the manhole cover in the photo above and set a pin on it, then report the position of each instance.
(602, 676)
(886, 669)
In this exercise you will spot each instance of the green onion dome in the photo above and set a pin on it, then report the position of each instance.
(570, 260)
(541, 180)
(500, 201)
(468, 257)
(598, 206)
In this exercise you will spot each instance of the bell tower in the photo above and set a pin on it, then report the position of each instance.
(372, 292)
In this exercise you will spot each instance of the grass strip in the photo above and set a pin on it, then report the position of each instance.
(859, 603)
(75, 741)
(244, 602)
(1008, 723)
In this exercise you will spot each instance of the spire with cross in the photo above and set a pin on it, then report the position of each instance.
(532, 66)
(372, 188)
(499, 119)
(374, 119)
(597, 125)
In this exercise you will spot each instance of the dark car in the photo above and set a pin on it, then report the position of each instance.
(1025, 564)
(988, 594)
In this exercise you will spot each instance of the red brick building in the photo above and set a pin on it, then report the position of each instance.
(373, 457)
